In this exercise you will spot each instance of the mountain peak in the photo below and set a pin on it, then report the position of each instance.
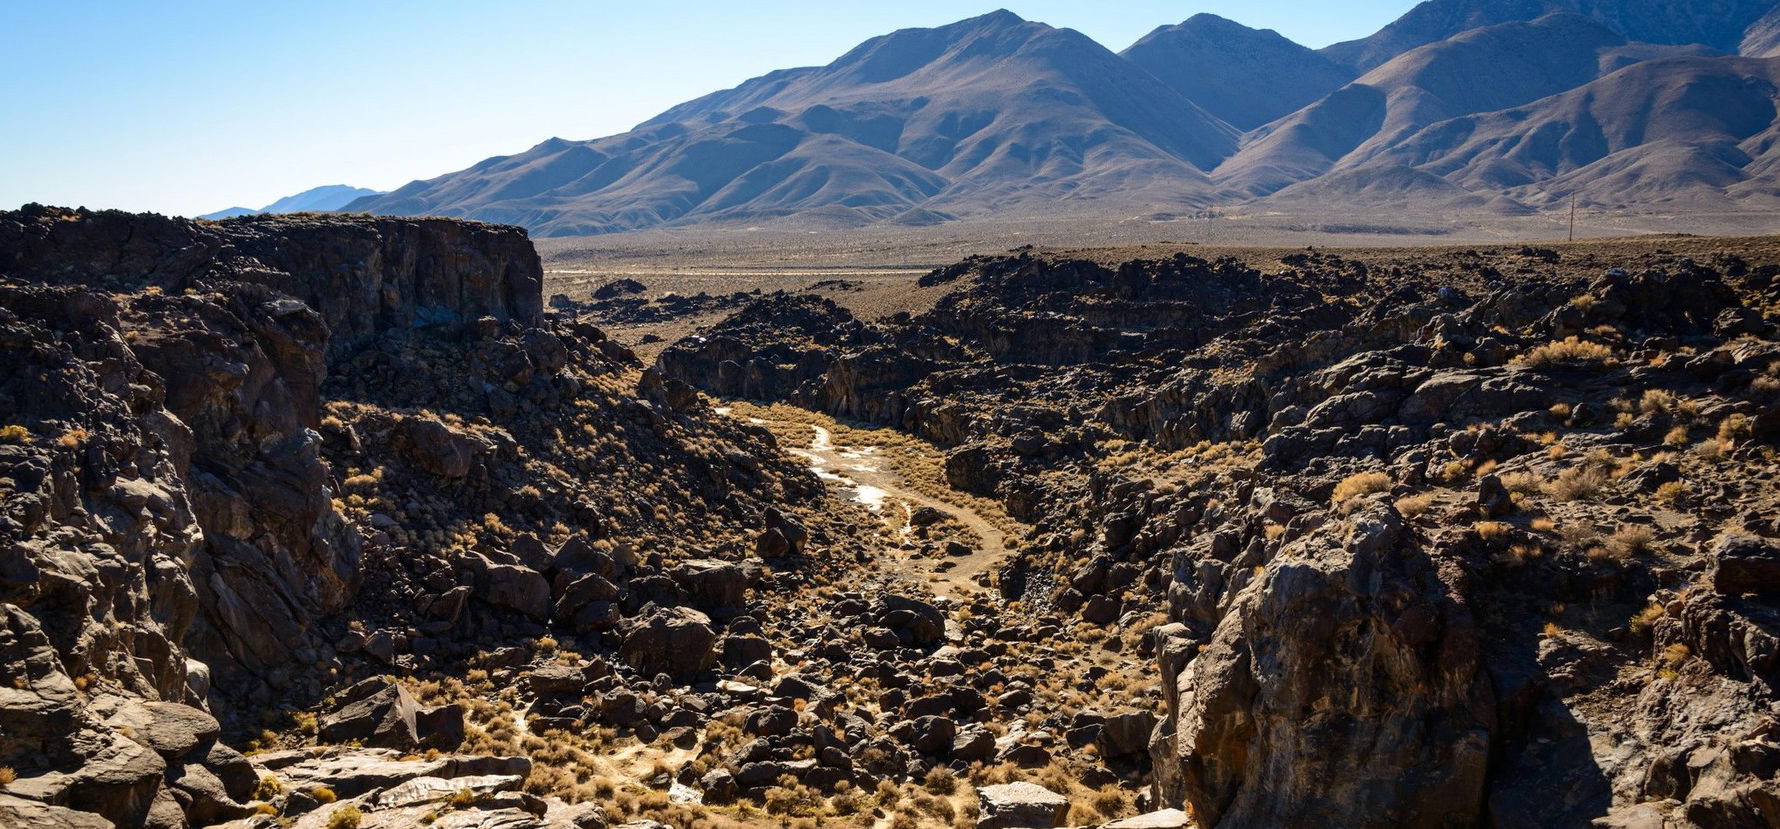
(1243, 75)
(999, 17)
(1208, 20)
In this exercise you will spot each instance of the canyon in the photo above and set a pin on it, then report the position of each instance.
(342, 521)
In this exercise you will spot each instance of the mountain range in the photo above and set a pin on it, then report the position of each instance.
(327, 198)
(1497, 107)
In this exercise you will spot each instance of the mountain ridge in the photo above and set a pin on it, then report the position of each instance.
(323, 199)
(998, 116)
(969, 118)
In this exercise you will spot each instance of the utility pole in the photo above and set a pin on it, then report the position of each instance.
(1572, 217)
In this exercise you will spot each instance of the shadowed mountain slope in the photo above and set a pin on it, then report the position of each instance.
(1245, 76)
(1482, 70)
(1696, 129)
(1720, 24)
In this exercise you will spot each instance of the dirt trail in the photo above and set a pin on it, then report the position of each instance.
(862, 474)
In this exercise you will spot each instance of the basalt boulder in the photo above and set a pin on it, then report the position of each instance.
(677, 641)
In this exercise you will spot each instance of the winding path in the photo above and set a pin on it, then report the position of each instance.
(862, 474)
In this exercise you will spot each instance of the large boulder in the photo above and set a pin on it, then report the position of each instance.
(510, 586)
(18, 813)
(915, 622)
(1020, 805)
(351, 772)
(714, 585)
(1348, 645)
(382, 714)
(1745, 564)
(677, 641)
(437, 448)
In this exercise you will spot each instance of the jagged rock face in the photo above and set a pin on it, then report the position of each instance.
(237, 324)
(365, 275)
(1349, 645)
(168, 527)
(99, 528)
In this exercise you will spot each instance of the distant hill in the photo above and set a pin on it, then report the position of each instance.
(1719, 24)
(1245, 76)
(989, 114)
(1692, 131)
(1481, 70)
(322, 199)
(1452, 108)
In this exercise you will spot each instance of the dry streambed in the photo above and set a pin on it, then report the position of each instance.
(872, 475)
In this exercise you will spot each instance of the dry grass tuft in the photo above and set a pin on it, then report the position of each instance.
(1631, 542)
(1579, 483)
(1569, 352)
(1411, 506)
(1364, 483)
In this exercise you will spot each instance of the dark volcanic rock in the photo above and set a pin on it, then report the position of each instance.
(1342, 604)
(676, 641)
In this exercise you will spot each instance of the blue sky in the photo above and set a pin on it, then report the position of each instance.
(189, 107)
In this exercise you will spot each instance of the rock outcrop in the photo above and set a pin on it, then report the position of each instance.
(190, 416)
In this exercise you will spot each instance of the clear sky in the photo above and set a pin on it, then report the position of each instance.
(189, 107)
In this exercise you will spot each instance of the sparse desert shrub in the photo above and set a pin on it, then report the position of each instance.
(1580, 536)
(1578, 483)
(7, 775)
(1671, 492)
(1570, 352)
(793, 800)
(1676, 437)
(1631, 542)
(1642, 623)
(1656, 401)
(346, 817)
(1455, 471)
(1519, 554)
(1411, 506)
(849, 802)
(888, 793)
(1492, 530)
(323, 794)
(15, 434)
(1108, 801)
(1734, 428)
(1521, 483)
(1364, 483)
(1671, 659)
(268, 788)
